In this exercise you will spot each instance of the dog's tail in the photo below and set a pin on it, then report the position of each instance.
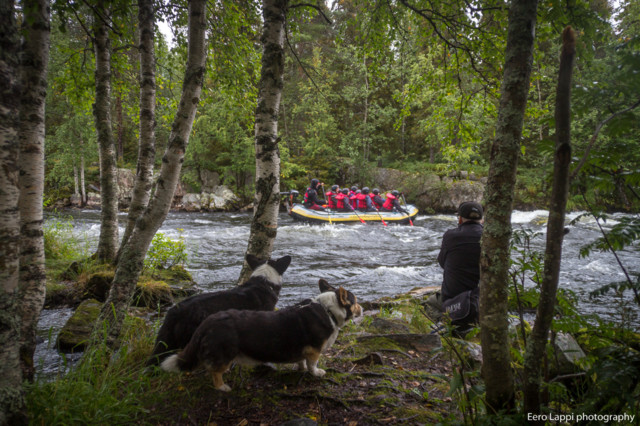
(186, 360)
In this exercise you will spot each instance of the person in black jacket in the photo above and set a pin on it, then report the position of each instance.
(311, 200)
(460, 258)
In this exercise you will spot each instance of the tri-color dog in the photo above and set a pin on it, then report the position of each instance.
(259, 293)
(296, 334)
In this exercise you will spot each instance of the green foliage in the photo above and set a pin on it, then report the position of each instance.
(165, 253)
(104, 388)
(61, 245)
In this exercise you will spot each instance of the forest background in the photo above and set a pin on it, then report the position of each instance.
(364, 87)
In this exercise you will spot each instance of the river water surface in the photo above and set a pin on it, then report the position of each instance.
(370, 260)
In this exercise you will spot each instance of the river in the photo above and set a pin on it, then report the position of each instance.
(370, 260)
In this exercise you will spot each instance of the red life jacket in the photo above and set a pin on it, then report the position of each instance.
(340, 201)
(330, 202)
(361, 203)
(353, 200)
(373, 201)
(388, 203)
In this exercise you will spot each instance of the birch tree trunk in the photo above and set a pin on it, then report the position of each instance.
(537, 343)
(33, 75)
(131, 261)
(11, 393)
(266, 203)
(108, 240)
(147, 144)
(76, 181)
(494, 259)
(83, 187)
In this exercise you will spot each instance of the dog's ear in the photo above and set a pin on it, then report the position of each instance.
(254, 261)
(282, 264)
(325, 286)
(343, 297)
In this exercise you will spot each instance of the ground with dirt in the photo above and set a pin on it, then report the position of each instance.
(385, 369)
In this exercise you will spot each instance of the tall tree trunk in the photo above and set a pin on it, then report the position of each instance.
(11, 393)
(83, 187)
(365, 130)
(131, 261)
(494, 260)
(108, 240)
(76, 181)
(33, 74)
(266, 203)
(537, 343)
(120, 137)
(147, 144)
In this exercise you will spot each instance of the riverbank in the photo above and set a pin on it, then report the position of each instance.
(385, 367)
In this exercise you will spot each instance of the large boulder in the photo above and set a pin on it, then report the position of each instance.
(431, 192)
(75, 334)
(221, 199)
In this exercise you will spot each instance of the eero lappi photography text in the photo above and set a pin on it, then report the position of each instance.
(582, 417)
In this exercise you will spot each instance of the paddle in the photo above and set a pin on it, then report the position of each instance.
(408, 215)
(383, 222)
(361, 219)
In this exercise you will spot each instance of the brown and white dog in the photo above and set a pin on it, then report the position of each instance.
(259, 293)
(296, 334)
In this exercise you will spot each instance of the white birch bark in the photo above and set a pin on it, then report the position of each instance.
(33, 74)
(83, 187)
(108, 240)
(266, 203)
(11, 393)
(131, 260)
(147, 144)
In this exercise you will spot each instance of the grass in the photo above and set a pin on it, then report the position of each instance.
(104, 388)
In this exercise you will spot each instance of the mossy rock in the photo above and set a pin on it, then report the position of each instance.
(152, 293)
(173, 275)
(76, 332)
(98, 285)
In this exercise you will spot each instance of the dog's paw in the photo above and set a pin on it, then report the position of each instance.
(225, 388)
(318, 372)
(302, 366)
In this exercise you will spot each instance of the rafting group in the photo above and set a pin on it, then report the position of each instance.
(348, 200)
(351, 205)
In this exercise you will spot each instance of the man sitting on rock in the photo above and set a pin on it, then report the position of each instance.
(460, 258)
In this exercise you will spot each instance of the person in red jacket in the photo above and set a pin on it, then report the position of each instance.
(376, 200)
(364, 201)
(342, 201)
(311, 200)
(353, 199)
(331, 197)
(392, 203)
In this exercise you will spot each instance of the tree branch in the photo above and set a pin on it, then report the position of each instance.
(593, 139)
(319, 9)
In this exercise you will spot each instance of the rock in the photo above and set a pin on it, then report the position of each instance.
(191, 202)
(209, 180)
(568, 354)
(126, 180)
(98, 285)
(421, 292)
(471, 352)
(418, 342)
(374, 358)
(75, 334)
(384, 325)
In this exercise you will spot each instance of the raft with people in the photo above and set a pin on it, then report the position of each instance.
(345, 213)
(300, 213)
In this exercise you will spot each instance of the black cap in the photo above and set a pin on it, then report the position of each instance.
(470, 210)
